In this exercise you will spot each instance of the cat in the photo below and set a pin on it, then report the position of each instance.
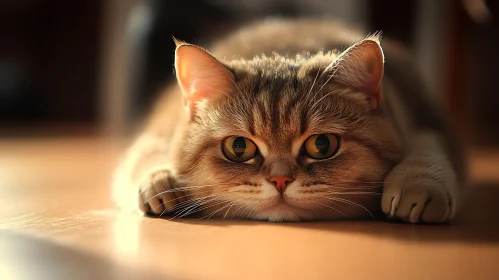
(277, 124)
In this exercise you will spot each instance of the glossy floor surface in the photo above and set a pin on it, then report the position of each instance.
(57, 222)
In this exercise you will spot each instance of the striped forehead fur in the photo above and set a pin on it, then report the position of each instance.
(281, 83)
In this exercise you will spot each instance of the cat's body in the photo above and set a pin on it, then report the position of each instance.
(266, 134)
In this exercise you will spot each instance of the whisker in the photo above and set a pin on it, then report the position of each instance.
(214, 212)
(187, 206)
(352, 193)
(346, 201)
(193, 208)
(213, 204)
(215, 201)
(245, 209)
(359, 182)
(234, 214)
(232, 204)
(181, 204)
(250, 212)
(178, 189)
(188, 209)
(196, 205)
(327, 206)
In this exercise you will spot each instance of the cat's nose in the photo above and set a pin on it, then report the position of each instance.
(281, 182)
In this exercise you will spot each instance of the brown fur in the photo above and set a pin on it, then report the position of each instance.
(279, 99)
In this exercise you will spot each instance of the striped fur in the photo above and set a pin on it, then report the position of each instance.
(393, 158)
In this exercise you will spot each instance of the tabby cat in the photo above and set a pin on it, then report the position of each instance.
(277, 124)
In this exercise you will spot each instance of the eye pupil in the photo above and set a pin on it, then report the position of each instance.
(238, 149)
(239, 146)
(322, 143)
(321, 146)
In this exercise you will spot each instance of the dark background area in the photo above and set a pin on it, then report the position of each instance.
(49, 60)
(51, 54)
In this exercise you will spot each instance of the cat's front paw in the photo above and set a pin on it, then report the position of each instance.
(418, 200)
(157, 193)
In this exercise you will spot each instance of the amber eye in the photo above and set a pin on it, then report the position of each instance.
(322, 146)
(238, 149)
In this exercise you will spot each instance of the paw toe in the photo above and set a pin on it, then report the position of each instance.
(154, 200)
(390, 202)
(157, 195)
(436, 211)
(415, 215)
(414, 204)
(143, 206)
(411, 204)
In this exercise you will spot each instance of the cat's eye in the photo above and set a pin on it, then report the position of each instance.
(238, 149)
(322, 146)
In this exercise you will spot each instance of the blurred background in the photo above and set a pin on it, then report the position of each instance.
(92, 67)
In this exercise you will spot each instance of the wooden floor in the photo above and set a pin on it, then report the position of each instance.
(57, 222)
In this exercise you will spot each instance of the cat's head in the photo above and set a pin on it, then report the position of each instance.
(284, 139)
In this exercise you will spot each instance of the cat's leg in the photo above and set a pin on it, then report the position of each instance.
(423, 186)
(144, 179)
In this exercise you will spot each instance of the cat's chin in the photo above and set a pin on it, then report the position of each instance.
(277, 215)
(280, 212)
(292, 211)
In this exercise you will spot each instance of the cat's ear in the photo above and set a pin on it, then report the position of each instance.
(361, 67)
(200, 75)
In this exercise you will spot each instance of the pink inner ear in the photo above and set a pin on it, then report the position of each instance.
(373, 56)
(200, 75)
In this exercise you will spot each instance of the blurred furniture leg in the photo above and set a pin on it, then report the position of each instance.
(126, 23)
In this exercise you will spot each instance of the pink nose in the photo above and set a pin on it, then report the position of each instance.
(280, 182)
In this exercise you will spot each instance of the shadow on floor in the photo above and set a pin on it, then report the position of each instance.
(27, 257)
(477, 222)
